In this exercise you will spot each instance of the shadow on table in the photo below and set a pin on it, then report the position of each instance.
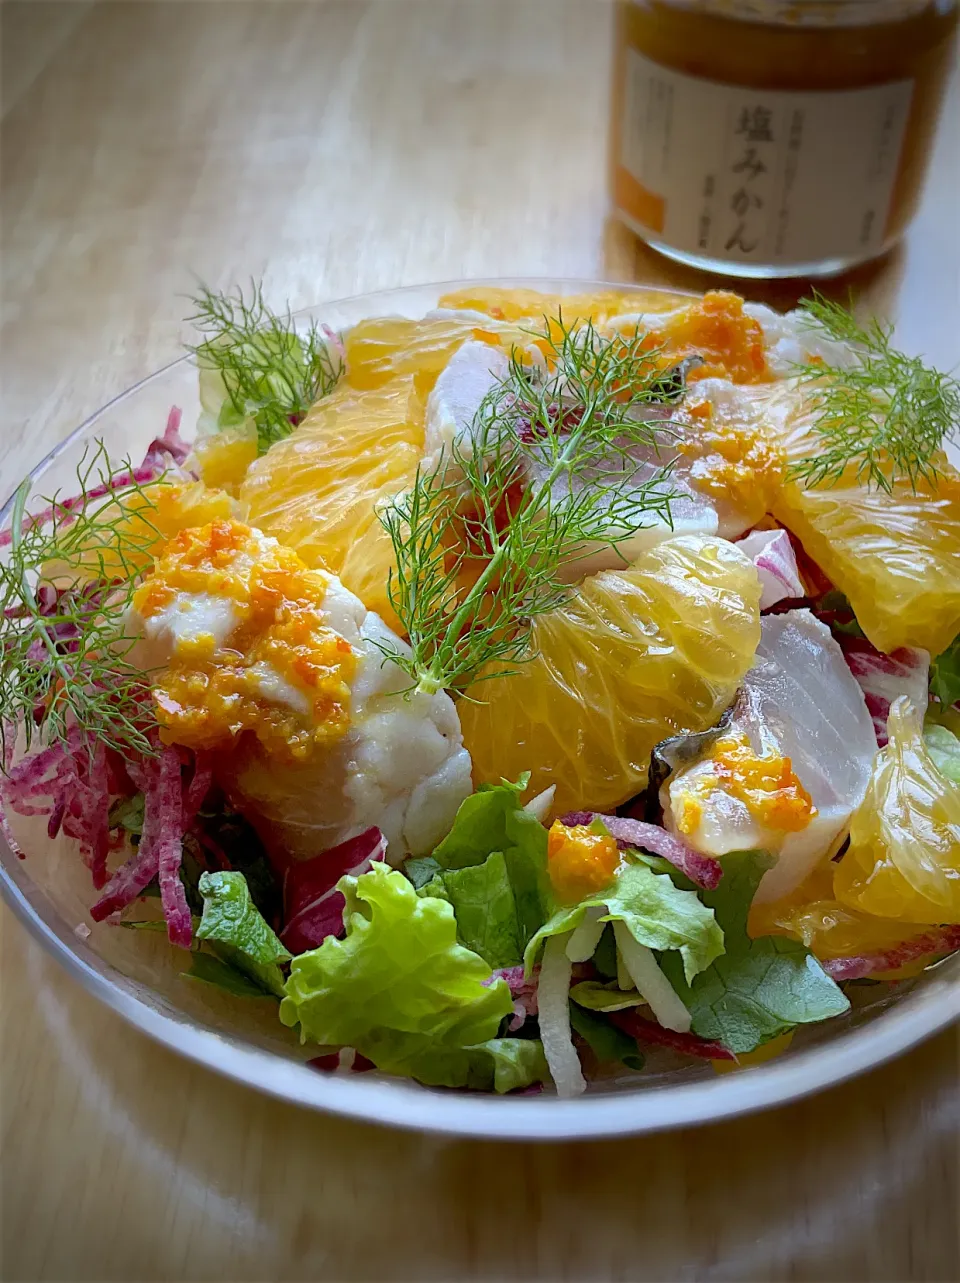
(222, 1183)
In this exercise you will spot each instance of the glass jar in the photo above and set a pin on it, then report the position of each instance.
(764, 138)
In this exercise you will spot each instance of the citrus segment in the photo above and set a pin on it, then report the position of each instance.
(813, 915)
(318, 490)
(516, 304)
(384, 348)
(896, 556)
(903, 861)
(633, 656)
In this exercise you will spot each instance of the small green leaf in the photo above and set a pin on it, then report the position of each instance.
(493, 820)
(758, 988)
(485, 909)
(944, 749)
(945, 674)
(127, 813)
(606, 1041)
(420, 871)
(656, 912)
(214, 971)
(232, 922)
(606, 997)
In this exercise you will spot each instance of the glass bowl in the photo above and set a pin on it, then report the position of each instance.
(138, 973)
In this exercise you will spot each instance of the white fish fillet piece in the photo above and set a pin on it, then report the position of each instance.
(800, 701)
(473, 370)
(401, 765)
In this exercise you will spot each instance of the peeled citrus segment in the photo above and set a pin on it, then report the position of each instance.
(509, 304)
(903, 861)
(633, 656)
(813, 915)
(317, 491)
(896, 556)
(384, 348)
(223, 458)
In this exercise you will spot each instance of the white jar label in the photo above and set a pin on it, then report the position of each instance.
(758, 175)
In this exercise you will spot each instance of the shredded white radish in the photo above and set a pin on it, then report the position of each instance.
(652, 984)
(624, 978)
(553, 1007)
(583, 940)
(539, 806)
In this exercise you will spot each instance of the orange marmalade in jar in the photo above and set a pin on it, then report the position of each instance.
(766, 138)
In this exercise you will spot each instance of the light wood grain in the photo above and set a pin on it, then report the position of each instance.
(337, 148)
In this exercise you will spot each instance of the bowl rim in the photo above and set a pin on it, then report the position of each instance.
(397, 1102)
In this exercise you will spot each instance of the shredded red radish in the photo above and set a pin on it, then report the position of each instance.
(333, 1061)
(313, 905)
(170, 446)
(883, 678)
(939, 940)
(650, 1032)
(198, 788)
(702, 870)
(159, 853)
(776, 563)
(69, 784)
(522, 991)
(162, 451)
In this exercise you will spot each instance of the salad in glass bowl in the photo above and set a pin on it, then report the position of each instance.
(545, 690)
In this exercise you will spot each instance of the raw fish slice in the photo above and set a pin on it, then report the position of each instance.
(798, 701)
(470, 374)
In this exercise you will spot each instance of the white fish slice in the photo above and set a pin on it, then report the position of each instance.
(800, 701)
(472, 371)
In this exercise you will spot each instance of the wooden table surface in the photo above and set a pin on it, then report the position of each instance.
(332, 149)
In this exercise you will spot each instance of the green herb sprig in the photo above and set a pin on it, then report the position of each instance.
(65, 584)
(886, 416)
(547, 470)
(272, 372)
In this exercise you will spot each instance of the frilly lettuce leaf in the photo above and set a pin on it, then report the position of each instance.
(657, 914)
(759, 988)
(233, 924)
(399, 987)
(485, 907)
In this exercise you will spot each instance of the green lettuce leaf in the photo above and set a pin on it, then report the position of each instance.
(217, 972)
(485, 908)
(759, 988)
(657, 914)
(399, 987)
(944, 748)
(499, 1064)
(604, 997)
(233, 924)
(945, 674)
(493, 820)
(127, 813)
(608, 1043)
(421, 871)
